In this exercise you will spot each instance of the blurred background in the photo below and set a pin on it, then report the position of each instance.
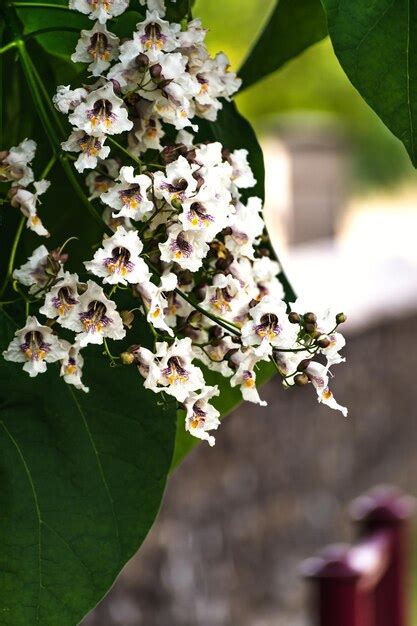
(341, 207)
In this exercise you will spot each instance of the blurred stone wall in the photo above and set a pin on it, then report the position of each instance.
(238, 518)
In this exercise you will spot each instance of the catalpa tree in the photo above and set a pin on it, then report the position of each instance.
(141, 299)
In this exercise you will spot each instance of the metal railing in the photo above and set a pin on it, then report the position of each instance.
(365, 584)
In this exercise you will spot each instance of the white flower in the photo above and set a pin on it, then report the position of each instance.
(213, 356)
(32, 273)
(101, 10)
(245, 375)
(98, 47)
(118, 261)
(223, 296)
(145, 361)
(265, 273)
(194, 35)
(35, 346)
(14, 166)
(72, 366)
(27, 201)
(269, 323)
(176, 375)
(242, 175)
(102, 113)
(94, 317)
(62, 297)
(67, 99)
(331, 352)
(207, 216)
(185, 138)
(319, 376)
(178, 183)
(101, 181)
(155, 300)
(201, 415)
(146, 135)
(154, 5)
(247, 225)
(176, 109)
(153, 35)
(187, 248)
(90, 148)
(129, 197)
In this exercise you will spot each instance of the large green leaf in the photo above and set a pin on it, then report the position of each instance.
(82, 476)
(376, 44)
(293, 26)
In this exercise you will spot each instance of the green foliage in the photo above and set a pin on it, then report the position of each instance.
(292, 27)
(376, 44)
(82, 481)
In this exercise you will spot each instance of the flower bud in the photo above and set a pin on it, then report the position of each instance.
(185, 277)
(294, 317)
(127, 318)
(301, 379)
(142, 61)
(127, 358)
(323, 341)
(116, 86)
(310, 318)
(155, 70)
(341, 318)
(303, 365)
(310, 327)
(215, 332)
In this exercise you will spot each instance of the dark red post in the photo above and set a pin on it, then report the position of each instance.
(366, 584)
(386, 509)
(334, 592)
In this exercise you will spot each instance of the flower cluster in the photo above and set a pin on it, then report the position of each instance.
(163, 75)
(15, 168)
(184, 236)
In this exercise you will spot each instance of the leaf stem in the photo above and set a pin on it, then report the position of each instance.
(7, 47)
(39, 5)
(10, 264)
(117, 145)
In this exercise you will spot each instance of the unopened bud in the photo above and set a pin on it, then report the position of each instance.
(116, 86)
(127, 318)
(230, 353)
(301, 380)
(215, 332)
(155, 70)
(127, 358)
(294, 317)
(142, 60)
(323, 342)
(341, 318)
(310, 327)
(303, 365)
(194, 319)
(185, 277)
(176, 203)
(310, 318)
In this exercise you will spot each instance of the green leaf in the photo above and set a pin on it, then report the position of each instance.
(68, 24)
(92, 467)
(82, 481)
(376, 44)
(294, 25)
